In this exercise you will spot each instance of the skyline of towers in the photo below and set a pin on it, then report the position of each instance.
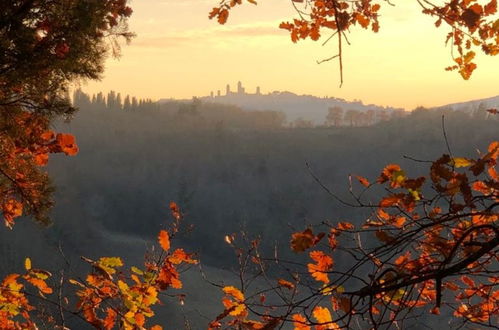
(241, 90)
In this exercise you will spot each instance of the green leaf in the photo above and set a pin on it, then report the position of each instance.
(110, 262)
(137, 270)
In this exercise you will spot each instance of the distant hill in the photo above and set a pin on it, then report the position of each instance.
(470, 106)
(294, 106)
(315, 109)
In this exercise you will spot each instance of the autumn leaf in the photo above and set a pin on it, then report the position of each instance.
(179, 255)
(384, 237)
(403, 259)
(300, 322)
(387, 173)
(345, 226)
(323, 316)
(461, 162)
(222, 16)
(67, 144)
(362, 181)
(164, 240)
(175, 210)
(323, 264)
(234, 292)
(41, 285)
(286, 284)
(391, 200)
(399, 222)
(301, 241)
(110, 319)
(27, 263)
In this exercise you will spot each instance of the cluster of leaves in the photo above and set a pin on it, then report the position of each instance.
(472, 23)
(15, 308)
(437, 248)
(22, 153)
(107, 297)
(45, 45)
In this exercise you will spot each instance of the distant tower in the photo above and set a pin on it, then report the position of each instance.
(227, 90)
(240, 89)
(218, 92)
(211, 94)
(257, 90)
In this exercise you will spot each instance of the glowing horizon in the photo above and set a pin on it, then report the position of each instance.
(179, 53)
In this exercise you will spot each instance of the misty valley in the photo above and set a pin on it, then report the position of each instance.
(230, 171)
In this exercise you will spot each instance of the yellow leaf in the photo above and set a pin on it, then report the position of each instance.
(234, 292)
(27, 263)
(238, 310)
(75, 282)
(110, 262)
(137, 270)
(461, 162)
(41, 274)
(123, 287)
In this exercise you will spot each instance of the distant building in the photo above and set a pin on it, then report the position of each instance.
(211, 94)
(258, 90)
(240, 88)
(227, 90)
(218, 92)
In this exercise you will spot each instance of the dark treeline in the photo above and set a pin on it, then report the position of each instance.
(184, 115)
(228, 169)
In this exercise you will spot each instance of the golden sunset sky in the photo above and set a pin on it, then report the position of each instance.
(180, 53)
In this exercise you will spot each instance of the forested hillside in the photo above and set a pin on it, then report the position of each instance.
(228, 169)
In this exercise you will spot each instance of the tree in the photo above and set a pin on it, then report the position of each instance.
(435, 251)
(429, 230)
(472, 24)
(107, 297)
(127, 104)
(334, 116)
(302, 123)
(45, 45)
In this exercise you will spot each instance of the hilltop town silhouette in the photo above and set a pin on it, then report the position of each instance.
(307, 107)
(240, 91)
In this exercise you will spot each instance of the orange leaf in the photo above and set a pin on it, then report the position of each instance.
(387, 172)
(67, 144)
(286, 284)
(222, 16)
(390, 201)
(401, 260)
(110, 319)
(362, 181)
(140, 319)
(179, 255)
(323, 264)
(164, 240)
(345, 226)
(399, 222)
(234, 292)
(300, 322)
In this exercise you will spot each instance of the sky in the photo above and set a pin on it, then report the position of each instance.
(180, 53)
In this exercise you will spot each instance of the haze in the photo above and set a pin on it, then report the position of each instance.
(179, 53)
